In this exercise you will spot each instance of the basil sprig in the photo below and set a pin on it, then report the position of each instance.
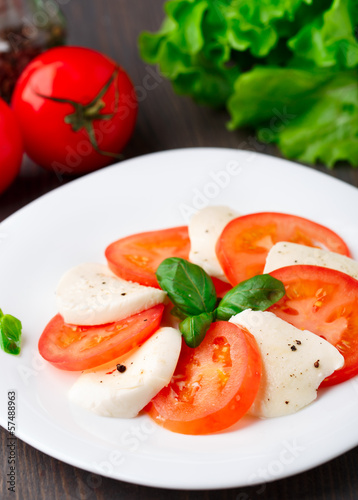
(194, 328)
(10, 333)
(188, 286)
(194, 297)
(257, 293)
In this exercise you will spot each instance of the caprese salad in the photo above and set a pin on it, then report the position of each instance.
(200, 325)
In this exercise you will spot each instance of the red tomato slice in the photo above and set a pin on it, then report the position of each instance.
(221, 287)
(72, 347)
(325, 302)
(137, 257)
(213, 385)
(245, 242)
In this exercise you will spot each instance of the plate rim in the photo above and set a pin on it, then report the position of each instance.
(75, 180)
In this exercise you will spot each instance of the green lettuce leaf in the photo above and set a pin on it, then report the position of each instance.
(188, 16)
(207, 86)
(328, 131)
(254, 24)
(243, 35)
(191, 50)
(329, 40)
(274, 96)
(312, 116)
(286, 68)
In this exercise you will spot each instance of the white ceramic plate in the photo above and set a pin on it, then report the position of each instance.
(74, 224)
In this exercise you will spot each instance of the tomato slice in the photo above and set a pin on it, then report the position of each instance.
(72, 347)
(137, 257)
(325, 302)
(245, 242)
(221, 287)
(213, 385)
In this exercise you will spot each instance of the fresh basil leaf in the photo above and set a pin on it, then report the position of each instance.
(194, 328)
(187, 285)
(257, 293)
(10, 333)
(177, 313)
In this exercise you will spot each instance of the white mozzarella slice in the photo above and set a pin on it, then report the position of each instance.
(205, 228)
(294, 363)
(90, 294)
(111, 393)
(289, 254)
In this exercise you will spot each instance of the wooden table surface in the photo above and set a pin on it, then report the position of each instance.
(165, 121)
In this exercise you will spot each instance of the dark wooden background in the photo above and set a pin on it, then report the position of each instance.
(165, 121)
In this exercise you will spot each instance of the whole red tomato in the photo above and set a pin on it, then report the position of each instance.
(77, 109)
(11, 147)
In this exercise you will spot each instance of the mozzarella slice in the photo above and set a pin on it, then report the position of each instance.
(289, 254)
(111, 393)
(294, 363)
(90, 294)
(205, 228)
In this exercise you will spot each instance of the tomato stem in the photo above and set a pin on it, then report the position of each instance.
(85, 114)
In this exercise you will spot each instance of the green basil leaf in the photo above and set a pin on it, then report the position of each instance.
(177, 313)
(257, 293)
(194, 328)
(10, 333)
(187, 285)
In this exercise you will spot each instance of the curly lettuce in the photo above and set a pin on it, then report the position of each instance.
(286, 68)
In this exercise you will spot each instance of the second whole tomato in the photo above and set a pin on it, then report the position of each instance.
(77, 109)
(11, 148)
